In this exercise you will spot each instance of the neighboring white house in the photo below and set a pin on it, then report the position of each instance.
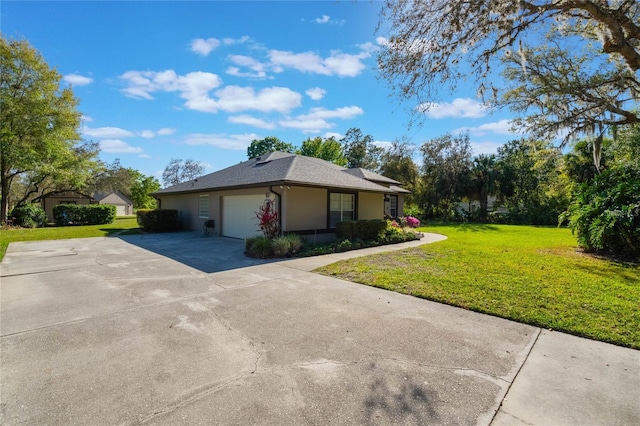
(473, 205)
(124, 205)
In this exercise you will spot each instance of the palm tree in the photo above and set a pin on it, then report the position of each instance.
(484, 178)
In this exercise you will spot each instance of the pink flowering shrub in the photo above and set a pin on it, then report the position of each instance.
(268, 219)
(412, 221)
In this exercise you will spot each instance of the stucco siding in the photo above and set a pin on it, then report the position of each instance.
(306, 208)
(400, 205)
(187, 205)
(370, 206)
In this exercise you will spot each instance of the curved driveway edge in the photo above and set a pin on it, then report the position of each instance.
(181, 329)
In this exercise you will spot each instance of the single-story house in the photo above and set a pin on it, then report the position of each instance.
(311, 195)
(63, 197)
(124, 205)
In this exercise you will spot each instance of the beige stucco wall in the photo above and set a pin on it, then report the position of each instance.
(400, 204)
(304, 208)
(187, 205)
(370, 205)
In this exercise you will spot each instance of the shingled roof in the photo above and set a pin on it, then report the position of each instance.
(371, 176)
(281, 168)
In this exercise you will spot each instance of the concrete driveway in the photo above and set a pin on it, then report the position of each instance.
(183, 329)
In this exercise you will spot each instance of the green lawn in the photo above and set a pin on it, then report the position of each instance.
(529, 274)
(126, 224)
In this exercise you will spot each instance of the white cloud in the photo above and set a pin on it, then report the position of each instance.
(230, 41)
(195, 87)
(459, 108)
(316, 93)
(116, 146)
(336, 136)
(106, 132)
(204, 47)
(369, 47)
(502, 127)
(317, 119)
(383, 144)
(326, 19)
(306, 125)
(251, 121)
(236, 98)
(343, 113)
(165, 131)
(340, 64)
(382, 41)
(147, 134)
(141, 84)
(258, 68)
(86, 119)
(222, 140)
(485, 147)
(77, 80)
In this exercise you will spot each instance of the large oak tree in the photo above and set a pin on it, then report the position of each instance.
(571, 66)
(39, 122)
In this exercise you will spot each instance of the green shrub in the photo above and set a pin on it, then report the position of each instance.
(29, 216)
(248, 243)
(84, 214)
(295, 242)
(159, 220)
(344, 245)
(261, 248)
(412, 210)
(346, 229)
(367, 230)
(605, 213)
(280, 246)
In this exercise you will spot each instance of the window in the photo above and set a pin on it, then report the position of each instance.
(341, 207)
(203, 206)
(393, 206)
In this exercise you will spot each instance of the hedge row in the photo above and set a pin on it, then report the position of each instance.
(29, 216)
(84, 214)
(158, 220)
(366, 230)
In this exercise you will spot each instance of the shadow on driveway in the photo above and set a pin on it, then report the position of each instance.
(207, 254)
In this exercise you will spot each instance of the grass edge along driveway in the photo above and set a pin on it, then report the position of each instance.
(534, 275)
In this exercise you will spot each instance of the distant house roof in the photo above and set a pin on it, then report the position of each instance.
(281, 168)
(66, 194)
(114, 197)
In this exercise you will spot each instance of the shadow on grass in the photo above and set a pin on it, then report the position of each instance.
(628, 272)
(121, 231)
(475, 227)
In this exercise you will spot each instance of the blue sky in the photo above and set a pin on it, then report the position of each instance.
(200, 80)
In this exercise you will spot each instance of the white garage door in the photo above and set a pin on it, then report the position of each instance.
(239, 215)
(120, 211)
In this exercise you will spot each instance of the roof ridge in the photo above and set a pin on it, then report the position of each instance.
(294, 159)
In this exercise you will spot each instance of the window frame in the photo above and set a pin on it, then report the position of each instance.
(203, 213)
(341, 193)
(392, 199)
